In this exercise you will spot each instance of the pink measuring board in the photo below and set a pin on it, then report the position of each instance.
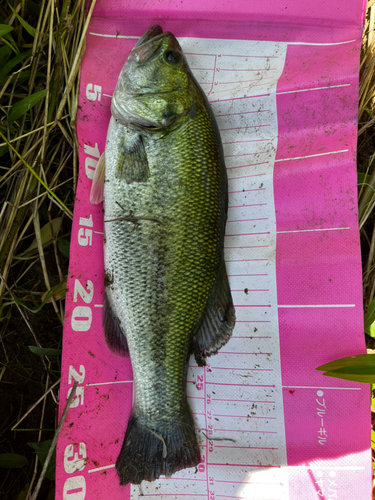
(282, 78)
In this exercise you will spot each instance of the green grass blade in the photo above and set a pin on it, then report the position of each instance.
(28, 28)
(2, 307)
(46, 234)
(369, 316)
(4, 55)
(49, 294)
(10, 42)
(362, 177)
(62, 205)
(44, 351)
(22, 106)
(4, 70)
(5, 29)
(33, 7)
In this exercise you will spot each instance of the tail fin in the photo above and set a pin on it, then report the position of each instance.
(149, 451)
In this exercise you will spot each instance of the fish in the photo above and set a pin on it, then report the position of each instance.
(163, 180)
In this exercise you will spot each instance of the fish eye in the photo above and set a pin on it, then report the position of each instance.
(172, 57)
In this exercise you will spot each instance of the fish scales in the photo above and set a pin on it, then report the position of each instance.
(162, 274)
(167, 292)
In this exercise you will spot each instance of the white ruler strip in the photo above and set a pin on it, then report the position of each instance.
(237, 400)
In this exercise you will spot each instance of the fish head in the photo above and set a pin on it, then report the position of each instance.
(154, 86)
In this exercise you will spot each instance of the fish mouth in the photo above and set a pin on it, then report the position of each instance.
(150, 33)
(150, 43)
(147, 45)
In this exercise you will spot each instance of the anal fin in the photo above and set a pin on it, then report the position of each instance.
(114, 333)
(218, 320)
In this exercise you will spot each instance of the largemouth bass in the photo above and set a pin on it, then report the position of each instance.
(167, 292)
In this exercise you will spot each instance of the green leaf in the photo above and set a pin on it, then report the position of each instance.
(370, 316)
(64, 246)
(33, 7)
(22, 494)
(8, 40)
(45, 234)
(28, 28)
(4, 29)
(4, 70)
(364, 379)
(362, 178)
(41, 450)
(371, 330)
(58, 294)
(355, 368)
(372, 438)
(12, 460)
(4, 55)
(2, 307)
(49, 294)
(21, 107)
(365, 369)
(351, 361)
(44, 351)
(52, 492)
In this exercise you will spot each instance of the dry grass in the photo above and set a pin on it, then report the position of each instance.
(366, 156)
(38, 174)
(41, 47)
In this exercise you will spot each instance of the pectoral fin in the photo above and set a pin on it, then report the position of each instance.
(97, 187)
(133, 163)
(218, 321)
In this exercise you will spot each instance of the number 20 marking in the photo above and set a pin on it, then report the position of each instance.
(82, 315)
(79, 290)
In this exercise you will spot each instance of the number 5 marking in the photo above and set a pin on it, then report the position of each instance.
(93, 92)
